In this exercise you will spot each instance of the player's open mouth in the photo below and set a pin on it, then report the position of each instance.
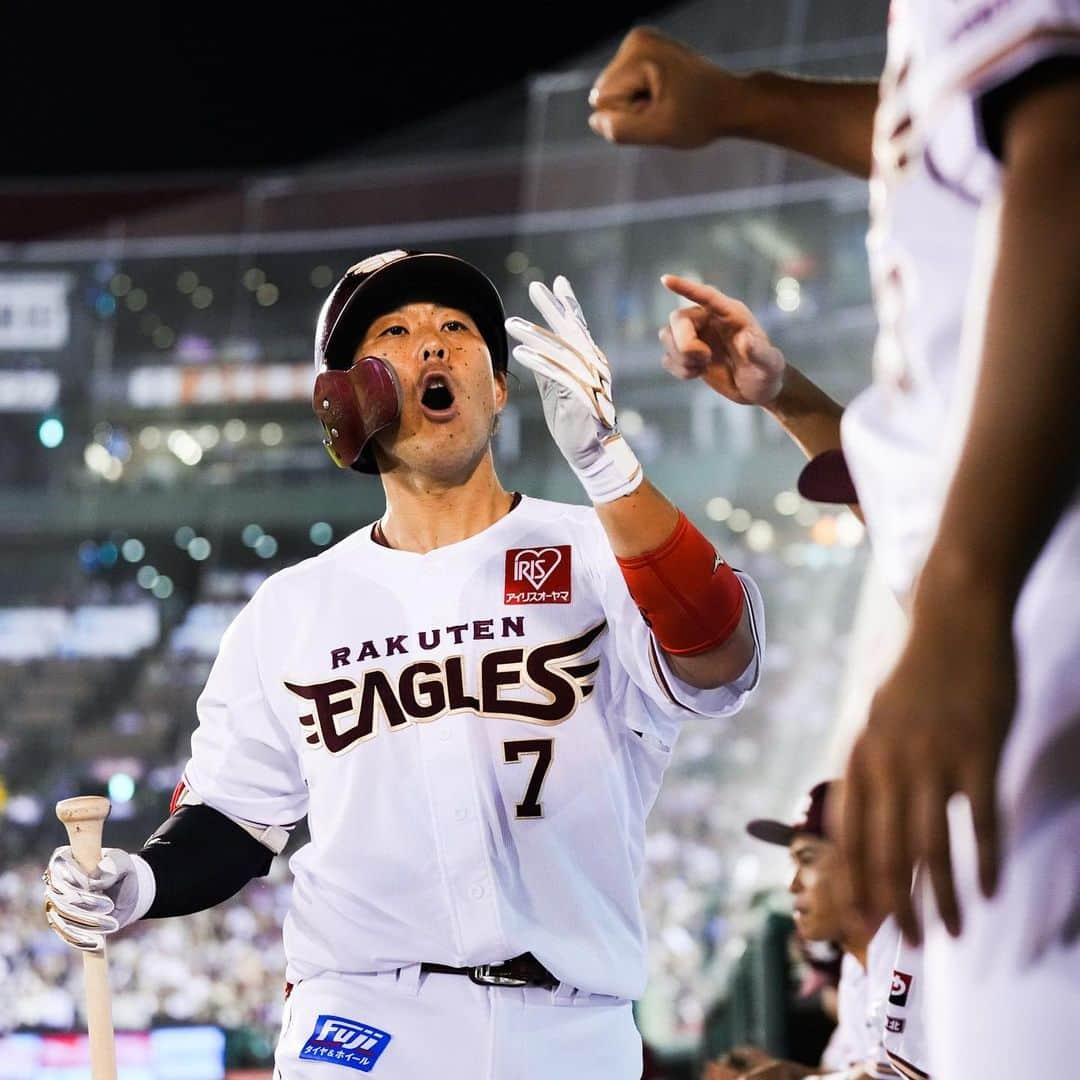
(437, 396)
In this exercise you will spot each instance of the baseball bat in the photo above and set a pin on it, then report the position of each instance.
(84, 818)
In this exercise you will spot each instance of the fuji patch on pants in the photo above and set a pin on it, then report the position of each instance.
(339, 1041)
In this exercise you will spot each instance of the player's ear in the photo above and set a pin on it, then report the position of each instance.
(502, 391)
(501, 395)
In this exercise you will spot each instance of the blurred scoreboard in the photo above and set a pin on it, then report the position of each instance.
(182, 1053)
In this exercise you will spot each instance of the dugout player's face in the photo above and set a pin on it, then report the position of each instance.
(821, 913)
(450, 394)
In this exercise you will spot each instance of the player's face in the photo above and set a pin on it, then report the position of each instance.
(450, 394)
(821, 913)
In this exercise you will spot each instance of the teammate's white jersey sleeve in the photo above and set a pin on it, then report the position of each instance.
(967, 47)
(889, 1011)
(877, 1014)
(904, 1038)
(243, 762)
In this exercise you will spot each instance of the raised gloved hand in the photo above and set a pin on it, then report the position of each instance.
(575, 386)
(85, 908)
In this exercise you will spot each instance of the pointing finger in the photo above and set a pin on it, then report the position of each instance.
(707, 296)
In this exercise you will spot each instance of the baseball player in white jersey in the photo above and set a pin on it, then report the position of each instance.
(879, 1032)
(472, 701)
(964, 455)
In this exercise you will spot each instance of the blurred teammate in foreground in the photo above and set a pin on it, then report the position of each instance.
(965, 456)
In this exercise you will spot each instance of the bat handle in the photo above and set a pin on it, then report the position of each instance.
(84, 818)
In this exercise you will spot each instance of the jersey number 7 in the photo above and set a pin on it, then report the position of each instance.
(530, 807)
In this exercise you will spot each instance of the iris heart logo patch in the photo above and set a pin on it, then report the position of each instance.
(536, 566)
(538, 575)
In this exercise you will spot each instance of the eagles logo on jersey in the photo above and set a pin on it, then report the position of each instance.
(345, 710)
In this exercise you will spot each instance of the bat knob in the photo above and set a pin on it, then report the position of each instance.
(83, 808)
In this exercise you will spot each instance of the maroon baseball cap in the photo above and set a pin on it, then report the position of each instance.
(811, 820)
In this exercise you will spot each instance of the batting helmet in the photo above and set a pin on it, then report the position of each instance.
(354, 400)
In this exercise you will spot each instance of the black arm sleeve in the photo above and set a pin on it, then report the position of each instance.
(199, 858)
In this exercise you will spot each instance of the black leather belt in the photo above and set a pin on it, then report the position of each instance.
(524, 970)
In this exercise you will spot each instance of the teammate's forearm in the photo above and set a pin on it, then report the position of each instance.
(644, 522)
(831, 120)
(1020, 463)
(809, 416)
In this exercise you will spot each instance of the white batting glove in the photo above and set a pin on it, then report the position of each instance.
(85, 908)
(575, 386)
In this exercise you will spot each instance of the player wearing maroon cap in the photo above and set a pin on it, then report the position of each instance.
(870, 1012)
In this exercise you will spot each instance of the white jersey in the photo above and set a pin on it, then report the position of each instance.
(476, 736)
(935, 212)
(874, 1012)
(932, 242)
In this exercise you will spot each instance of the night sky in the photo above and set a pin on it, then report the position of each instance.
(107, 90)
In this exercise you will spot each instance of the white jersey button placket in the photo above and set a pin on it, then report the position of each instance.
(453, 782)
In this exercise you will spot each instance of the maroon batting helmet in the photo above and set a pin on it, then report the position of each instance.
(355, 399)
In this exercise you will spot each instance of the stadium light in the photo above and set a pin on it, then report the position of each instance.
(51, 432)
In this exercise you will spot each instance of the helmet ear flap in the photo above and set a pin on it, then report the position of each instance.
(354, 405)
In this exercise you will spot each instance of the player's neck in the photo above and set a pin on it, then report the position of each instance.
(423, 514)
(859, 952)
(857, 938)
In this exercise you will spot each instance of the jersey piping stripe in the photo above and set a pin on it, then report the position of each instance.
(661, 679)
(954, 187)
(1064, 35)
(754, 633)
(905, 1067)
(882, 1071)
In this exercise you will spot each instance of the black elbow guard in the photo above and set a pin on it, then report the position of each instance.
(200, 858)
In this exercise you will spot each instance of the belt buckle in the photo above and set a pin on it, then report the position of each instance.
(483, 975)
